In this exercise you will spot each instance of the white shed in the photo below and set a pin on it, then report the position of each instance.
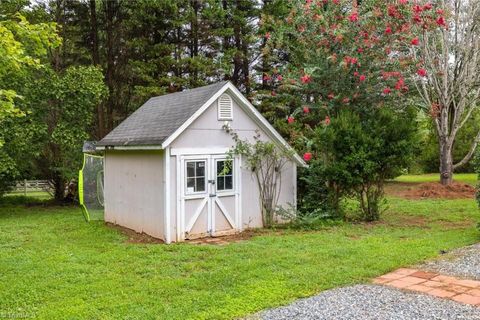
(164, 166)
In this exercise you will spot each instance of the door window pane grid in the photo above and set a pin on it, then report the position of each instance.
(224, 175)
(195, 176)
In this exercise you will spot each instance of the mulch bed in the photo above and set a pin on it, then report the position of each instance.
(431, 190)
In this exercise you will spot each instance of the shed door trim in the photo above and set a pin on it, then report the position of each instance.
(212, 200)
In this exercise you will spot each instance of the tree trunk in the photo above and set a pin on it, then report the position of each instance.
(446, 161)
(194, 45)
(59, 186)
(100, 127)
(110, 7)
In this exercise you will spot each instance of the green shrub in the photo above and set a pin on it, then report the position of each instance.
(356, 154)
(8, 173)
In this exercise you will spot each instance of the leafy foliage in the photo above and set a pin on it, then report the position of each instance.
(60, 108)
(20, 49)
(266, 161)
(357, 154)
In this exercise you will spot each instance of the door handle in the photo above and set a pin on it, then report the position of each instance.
(212, 195)
(211, 181)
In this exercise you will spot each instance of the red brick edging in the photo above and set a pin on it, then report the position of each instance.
(435, 284)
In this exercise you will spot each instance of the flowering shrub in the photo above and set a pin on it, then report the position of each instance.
(266, 161)
(343, 57)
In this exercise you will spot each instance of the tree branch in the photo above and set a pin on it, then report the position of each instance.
(470, 153)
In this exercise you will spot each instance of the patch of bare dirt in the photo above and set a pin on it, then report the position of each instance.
(133, 236)
(431, 190)
(137, 237)
(224, 240)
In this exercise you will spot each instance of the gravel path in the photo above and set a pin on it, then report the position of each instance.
(463, 262)
(366, 302)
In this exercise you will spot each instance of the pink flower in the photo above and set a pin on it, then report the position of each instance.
(355, 73)
(400, 84)
(388, 30)
(422, 72)
(350, 60)
(387, 90)
(301, 28)
(279, 77)
(392, 11)
(360, 50)
(415, 42)
(305, 78)
(266, 77)
(307, 156)
(290, 119)
(417, 8)
(331, 96)
(428, 6)
(403, 1)
(353, 17)
(306, 109)
(362, 78)
(441, 21)
(440, 11)
(273, 93)
(417, 18)
(327, 120)
(267, 35)
(346, 100)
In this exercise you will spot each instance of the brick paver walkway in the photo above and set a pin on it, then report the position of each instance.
(435, 284)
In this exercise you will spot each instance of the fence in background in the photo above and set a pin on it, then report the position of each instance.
(27, 186)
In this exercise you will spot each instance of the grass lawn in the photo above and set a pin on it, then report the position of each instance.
(434, 177)
(54, 265)
(39, 195)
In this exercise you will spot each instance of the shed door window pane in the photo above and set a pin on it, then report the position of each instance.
(195, 176)
(224, 175)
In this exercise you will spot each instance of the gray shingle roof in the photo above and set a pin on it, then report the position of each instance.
(159, 117)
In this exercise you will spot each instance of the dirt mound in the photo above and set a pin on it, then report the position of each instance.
(435, 190)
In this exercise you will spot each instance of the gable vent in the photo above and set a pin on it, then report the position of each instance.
(225, 107)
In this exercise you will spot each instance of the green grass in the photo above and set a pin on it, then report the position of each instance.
(54, 265)
(39, 195)
(434, 177)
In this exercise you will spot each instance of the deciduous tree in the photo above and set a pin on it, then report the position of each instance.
(449, 69)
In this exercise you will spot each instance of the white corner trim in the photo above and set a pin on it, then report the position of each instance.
(178, 169)
(167, 212)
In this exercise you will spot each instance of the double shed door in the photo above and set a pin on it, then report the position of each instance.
(210, 196)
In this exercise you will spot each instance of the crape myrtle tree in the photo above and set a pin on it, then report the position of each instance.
(450, 86)
(343, 55)
(368, 53)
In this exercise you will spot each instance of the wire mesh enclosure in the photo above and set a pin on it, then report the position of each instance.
(90, 185)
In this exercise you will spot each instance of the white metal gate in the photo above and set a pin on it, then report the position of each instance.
(210, 196)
